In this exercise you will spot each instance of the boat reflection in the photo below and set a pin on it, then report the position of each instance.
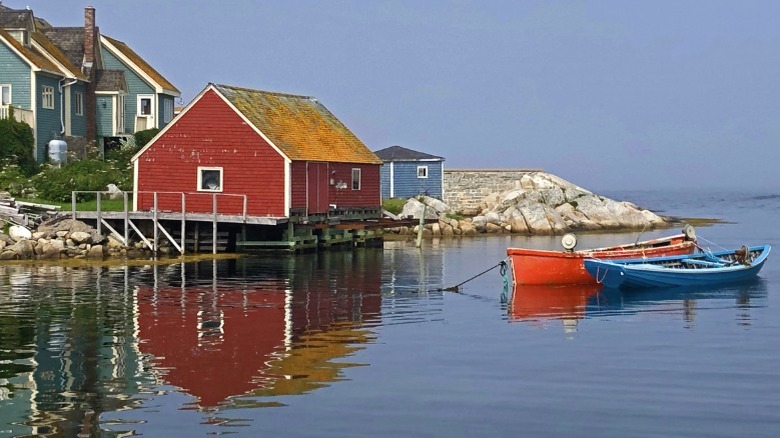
(567, 303)
(572, 303)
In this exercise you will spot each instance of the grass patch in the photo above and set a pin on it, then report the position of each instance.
(457, 217)
(394, 205)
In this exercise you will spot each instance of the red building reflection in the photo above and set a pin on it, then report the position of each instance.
(266, 336)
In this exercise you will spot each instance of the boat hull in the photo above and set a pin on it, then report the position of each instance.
(656, 273)
(542, 267)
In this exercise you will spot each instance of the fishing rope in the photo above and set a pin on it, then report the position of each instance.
(505, 279)
(710, 242)
(456, 288)
(711, 253)
(598, 268)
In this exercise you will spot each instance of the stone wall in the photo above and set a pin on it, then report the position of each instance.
(465, 188)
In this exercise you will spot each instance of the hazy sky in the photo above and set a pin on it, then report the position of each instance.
(606, 94)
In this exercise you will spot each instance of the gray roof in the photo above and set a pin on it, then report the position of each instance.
(398, 153)
(111, 80)
(15, 18)
(70, 40)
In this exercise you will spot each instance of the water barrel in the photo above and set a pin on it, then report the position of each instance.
(58, 152)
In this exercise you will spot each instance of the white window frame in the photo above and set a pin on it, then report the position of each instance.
(149, 120)
(141, 97)
(356, 177)
(3, 87)
(201, 170)
(47, 97)
(79, 103)
(422, 171)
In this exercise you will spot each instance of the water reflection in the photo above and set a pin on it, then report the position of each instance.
(78, 343)
(278, 335)
(570, 304)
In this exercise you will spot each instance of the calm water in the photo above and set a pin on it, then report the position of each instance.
(360, 343)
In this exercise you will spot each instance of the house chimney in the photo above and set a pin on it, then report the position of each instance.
(89, 68)
(89, 37)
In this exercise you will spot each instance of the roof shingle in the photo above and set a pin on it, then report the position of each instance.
(110, 80)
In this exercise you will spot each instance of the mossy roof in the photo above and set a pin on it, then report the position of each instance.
(300, 126)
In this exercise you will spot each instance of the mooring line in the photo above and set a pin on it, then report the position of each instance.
(456, 288)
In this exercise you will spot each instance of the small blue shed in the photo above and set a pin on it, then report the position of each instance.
(407, 173)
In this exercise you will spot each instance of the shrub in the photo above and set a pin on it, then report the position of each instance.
(12, 178)
(143, 137)
(120, 157)
(56, 184)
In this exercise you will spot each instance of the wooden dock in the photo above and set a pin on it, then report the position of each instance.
(218, 232)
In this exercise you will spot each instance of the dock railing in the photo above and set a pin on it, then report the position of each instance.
(153, 245)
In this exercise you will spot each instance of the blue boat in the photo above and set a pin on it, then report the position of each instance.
(701, 269)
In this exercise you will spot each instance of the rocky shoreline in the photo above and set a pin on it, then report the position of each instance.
(542, 204)
(63, 238)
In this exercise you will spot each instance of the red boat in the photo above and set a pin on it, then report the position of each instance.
(535, 266)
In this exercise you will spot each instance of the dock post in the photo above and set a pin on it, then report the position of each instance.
(214, 225)
(99, 216)
(183, 222)
(196, 243)
(127, 219)
(154, 220)
(421, 226)
(73, 204)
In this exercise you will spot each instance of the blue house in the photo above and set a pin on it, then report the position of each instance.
(76, 85)
(407, 173)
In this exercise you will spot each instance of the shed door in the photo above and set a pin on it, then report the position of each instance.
(317, 187)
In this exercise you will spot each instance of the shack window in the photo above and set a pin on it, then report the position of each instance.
(422, 171)
(209, 179)
(355, 179)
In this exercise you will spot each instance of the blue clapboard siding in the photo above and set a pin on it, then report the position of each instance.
(135, 86)
(16, 72)
(384, 180)
(406, 184)
(104, 115)
(78, 123)
(48, 120)
(166, 113)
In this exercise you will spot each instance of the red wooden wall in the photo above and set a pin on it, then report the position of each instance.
(367, 196)
(211, 134)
